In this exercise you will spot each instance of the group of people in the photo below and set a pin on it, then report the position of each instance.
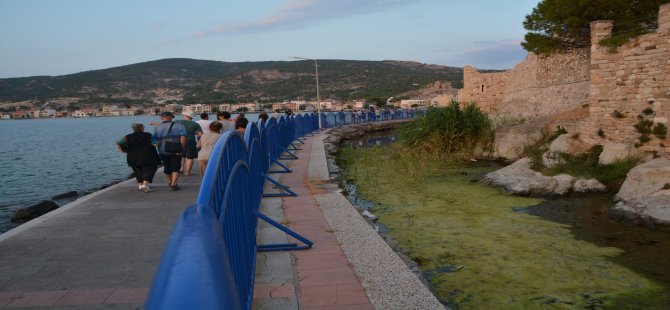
(176, 144)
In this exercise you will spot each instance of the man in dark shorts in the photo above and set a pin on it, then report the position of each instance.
(193, 129)
(162, 134)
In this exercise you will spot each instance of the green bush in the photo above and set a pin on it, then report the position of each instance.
(559, 131)
(452, 132)
(587, 166)
(660, 131)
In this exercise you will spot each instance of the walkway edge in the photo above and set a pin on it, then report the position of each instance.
(387, 280)
(41, 219)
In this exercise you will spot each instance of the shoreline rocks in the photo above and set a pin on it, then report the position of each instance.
(644, 197)
(519, 179)
(26, 214)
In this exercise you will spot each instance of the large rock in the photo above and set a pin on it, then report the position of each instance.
(29, 213)
(616, 151)
(564, 144)
(519, 179)
(512, 141)
(642, 197)
(586, 186)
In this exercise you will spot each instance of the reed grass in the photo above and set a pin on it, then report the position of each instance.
(455, 132)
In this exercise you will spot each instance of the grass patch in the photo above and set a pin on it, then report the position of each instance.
(586, 166)
(454, 132)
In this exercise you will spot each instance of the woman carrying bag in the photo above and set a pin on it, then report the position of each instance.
(142, 156)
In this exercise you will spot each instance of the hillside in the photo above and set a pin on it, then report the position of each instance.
(202, 81)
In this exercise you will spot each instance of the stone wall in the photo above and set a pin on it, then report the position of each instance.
(487, 89)
(597, 93)
(627, 82)
(538, 86)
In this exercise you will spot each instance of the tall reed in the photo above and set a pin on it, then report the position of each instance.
(457, 131)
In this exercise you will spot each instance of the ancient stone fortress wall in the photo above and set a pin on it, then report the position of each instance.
(487, 89)
(630, 85)
(538, 86)
(541, 86)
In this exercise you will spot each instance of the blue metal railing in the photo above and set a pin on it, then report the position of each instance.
(210, 258)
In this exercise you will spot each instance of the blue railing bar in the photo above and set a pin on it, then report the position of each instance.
(307, 242)
(291, 155)
(195, 254)
(286, 169)
(288, 192)
(278, 245)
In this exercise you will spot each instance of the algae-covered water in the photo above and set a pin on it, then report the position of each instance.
(480, 248)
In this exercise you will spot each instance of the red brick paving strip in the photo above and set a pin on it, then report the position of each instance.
(326, 279)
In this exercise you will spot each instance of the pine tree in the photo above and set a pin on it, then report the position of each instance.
(559, 25)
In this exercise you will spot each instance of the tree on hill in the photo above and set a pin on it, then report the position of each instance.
(559, 25)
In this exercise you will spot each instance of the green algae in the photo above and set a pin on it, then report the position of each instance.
(477, 252)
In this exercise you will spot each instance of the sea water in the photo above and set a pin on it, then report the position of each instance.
(41, 158)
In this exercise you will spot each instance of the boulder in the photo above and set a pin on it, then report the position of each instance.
(512, 141)
(615, 151)
(644, 196)
(65, 195)
(29, 213)
(564, 144)
(586, 186)
(519, 179)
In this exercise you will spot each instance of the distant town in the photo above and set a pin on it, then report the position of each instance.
(307, 106)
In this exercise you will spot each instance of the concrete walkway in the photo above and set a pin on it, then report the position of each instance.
(350, 265)
(97, 252)
(102, 250)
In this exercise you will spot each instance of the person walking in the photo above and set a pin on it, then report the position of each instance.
(204, 122)
(190, 150)
(241, 125)
(166, 136)
(206, 143)
(142, 156)
(226, 122)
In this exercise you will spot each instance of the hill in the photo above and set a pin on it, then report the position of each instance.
(202, 81)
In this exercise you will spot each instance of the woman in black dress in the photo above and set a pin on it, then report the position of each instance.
(142, 156)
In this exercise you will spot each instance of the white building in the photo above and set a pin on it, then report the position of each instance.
(225, 107)
(109, 109)
(197, 108)
(84, 113)
(5, 116)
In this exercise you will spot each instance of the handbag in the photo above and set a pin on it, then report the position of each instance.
(173, 147)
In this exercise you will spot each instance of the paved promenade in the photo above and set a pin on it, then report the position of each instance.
(102, 250)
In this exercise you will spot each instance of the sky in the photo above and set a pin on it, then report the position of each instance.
(58, 37)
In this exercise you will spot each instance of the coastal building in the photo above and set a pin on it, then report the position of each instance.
(172, 107)
(109, 109)
(5, 116)
(197, 108)
(87, 112)
(251, 107)
(226, 107)
(409, 103)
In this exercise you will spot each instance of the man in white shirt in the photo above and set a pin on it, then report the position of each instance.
(204, 123)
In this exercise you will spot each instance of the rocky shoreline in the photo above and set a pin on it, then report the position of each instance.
(23, 215)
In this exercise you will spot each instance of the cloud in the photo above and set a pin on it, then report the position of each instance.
(301, 13)
(490, 55)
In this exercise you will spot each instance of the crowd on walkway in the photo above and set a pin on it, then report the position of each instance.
(176, 145)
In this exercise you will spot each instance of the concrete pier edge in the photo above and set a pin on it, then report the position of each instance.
(39, 220)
